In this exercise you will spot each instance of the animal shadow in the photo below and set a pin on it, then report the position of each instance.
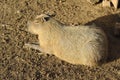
(107, 23)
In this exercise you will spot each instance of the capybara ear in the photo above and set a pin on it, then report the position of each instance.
(42, 18)
(46, 18)
(51, 15)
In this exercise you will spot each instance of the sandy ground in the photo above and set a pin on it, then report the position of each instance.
(18, 63)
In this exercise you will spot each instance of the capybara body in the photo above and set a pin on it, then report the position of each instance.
(86, 45)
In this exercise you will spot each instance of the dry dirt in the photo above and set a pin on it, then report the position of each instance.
(18, 63)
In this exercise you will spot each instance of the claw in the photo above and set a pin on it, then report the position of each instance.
(26, 45)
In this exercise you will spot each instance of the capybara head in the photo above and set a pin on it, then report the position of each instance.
(38, 23)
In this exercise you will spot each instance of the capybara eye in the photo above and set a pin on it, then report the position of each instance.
(36, 21)
(46, 18)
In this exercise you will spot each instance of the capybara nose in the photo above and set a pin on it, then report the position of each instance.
(28, 23)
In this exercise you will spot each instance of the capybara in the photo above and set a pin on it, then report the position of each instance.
(85, 45)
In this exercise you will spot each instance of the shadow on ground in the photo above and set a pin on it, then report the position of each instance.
(107, 23)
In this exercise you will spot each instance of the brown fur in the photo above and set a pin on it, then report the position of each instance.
(86, 45)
